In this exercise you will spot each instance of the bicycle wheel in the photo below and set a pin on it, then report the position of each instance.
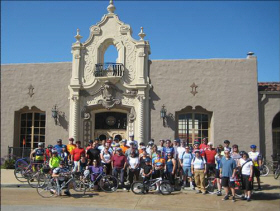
(36, 179)
(109, 183)
(265, 171)
(21, 174)
(137, 187)
(211, 185)
(48, 190)
(21, 163)
(277, 173)
(78, 185)
(165, 188)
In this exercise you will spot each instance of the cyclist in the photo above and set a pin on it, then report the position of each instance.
(218, 158)
(133, 166)
(185, 161)
(246, 165)
(119, 162)
(210, 153)
(54, 160)
(49, 152)
(196, 148)
(106, 159)
(204, 145)
(227, 172)
(198, 166)
(170, 169)
(61, 174)
(70, 146)
(76, 155)
(147, 170)
(235, 153)
(161, 146)
(226, 145)
(39, 155)
(257, 161)
(123, 145)
(158, 164)
(58, 147)
(168, 149)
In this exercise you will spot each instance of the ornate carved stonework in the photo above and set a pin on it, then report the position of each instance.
(194, 86)
(30, 90)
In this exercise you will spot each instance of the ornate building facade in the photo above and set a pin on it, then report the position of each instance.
(161, 99)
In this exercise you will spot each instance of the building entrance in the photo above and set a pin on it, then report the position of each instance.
(110, 124)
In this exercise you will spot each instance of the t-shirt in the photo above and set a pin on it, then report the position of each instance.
(168, 150)
(235, 157)
(203, 146)
(147, 169)
(218, 161)
(198, 163)
(227, 165)
(186, 159)
(101, 147)
(255, 156)
(58, 148)
(77, 153)
(106, 157)
(210, 156)
(93, 154)
(180, 151)
(133, 162)
(70, 147)
(246, 169)
(119, 161)
(124, 148)
(39, 154)
(158, 162)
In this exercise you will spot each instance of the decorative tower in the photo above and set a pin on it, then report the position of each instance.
(97, 87)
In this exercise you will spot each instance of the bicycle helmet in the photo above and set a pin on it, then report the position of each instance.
(241, 153)
(50, 146)
(54, 151)
(40, 144)
(148, 160)
(253, 146)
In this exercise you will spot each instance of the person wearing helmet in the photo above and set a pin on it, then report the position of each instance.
(39, 156)
(54, 160)
(196, 145)
(70, 146)
(256, 157)
(49, 152)
(61, 174)
(147, 170)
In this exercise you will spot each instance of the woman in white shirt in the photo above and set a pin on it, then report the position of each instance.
(246, 165)
(133, 165)
(198, 167)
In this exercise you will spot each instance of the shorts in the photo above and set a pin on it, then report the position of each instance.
(256, 171)
(246, 184)
(217, 173)
(187, 171)
(158, 173)
(227, 183)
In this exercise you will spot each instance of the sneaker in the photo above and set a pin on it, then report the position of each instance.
(233, 199)
(125, 189)
(199, 191)
(67, 193)
(219, 193)
(248, 199)
(225, 198)
(243, 198)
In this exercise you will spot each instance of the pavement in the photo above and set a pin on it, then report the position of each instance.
(19, 196)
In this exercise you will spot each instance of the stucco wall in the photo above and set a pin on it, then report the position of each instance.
(226, 87)
(269, 107)
(50, 82)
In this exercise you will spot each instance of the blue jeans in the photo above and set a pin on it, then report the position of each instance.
(116, 172)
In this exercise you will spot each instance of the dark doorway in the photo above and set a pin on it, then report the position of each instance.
(110, 120)
(102, 137)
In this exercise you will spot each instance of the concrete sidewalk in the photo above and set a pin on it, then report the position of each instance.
(8, 179)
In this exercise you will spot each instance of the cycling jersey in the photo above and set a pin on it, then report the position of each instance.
(59, 171)
(159, 162)
(70, 147)
(54, 162)
(39, 154)
(168, 150)
(255, 156)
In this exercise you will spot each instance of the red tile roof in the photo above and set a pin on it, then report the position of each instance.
(269, 86)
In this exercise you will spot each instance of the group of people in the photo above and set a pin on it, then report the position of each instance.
(129, 160)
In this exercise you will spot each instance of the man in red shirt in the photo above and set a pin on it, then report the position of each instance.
(204, 143)
(76, 155)
(210, 153)
(118, 165)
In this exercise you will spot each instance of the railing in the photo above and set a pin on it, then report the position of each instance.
(18, 152)
(109, 69)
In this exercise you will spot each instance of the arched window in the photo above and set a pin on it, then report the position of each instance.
(111, 54)
(193, 124)
(32, 126)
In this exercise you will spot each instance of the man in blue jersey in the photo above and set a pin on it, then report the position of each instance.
(168, 149)
(58, 147)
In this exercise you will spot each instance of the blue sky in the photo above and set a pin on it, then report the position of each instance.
(35, 32)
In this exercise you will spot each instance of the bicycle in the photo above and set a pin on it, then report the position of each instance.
(51, 186)
(23, 172)
(38, 178)
(107, 183)
(139, 187)
(22, 162)
(211, 182)
(277, 170)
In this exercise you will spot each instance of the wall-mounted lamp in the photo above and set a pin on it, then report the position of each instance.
(55, 113)
(163, 114)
